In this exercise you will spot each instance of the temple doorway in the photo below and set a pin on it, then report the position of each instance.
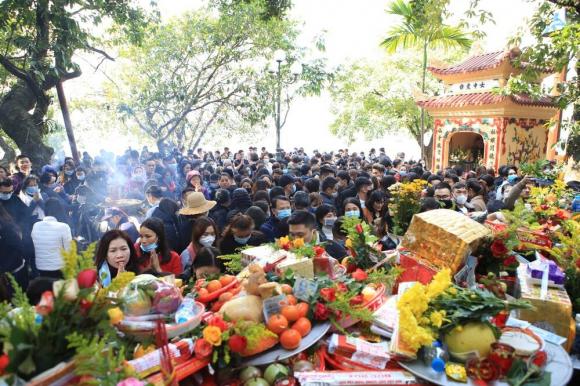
(466, 149)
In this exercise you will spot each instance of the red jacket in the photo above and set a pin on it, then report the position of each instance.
(172, 266)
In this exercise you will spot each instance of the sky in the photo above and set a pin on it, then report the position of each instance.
(353, 30)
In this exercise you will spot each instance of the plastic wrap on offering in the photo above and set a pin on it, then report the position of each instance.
(553, 308)
(443, 238)
(147, 294)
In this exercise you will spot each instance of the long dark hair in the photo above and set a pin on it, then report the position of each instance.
(103, 249)
(377, 196)
(199, 227)
(156, 225)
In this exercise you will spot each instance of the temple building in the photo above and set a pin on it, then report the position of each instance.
(475, 125)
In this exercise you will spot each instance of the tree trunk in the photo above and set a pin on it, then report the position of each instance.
(25, 129)
(9, 153)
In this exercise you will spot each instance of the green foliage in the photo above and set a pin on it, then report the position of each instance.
(96, 358)
(233, 263)
(74, 263)
(467, 305)
(204, 73)
(526, 373)
(552, 51)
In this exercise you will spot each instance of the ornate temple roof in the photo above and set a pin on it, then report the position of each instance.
(481, 99)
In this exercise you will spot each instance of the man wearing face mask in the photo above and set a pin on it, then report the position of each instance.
(460, 197)
(288, 184)
(276, 226)
(328, 191)
(443, 195)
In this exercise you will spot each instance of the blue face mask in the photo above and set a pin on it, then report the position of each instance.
(402, 173)
(148, 248)
(5, 196)
(214, 185)
(242, 240)
(293, 188)
(69, 172)
(283, 213)
(81, 177)
(512, 178)
(32, 190)
(352, 213)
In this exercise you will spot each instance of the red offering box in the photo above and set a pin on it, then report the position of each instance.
(413, 269)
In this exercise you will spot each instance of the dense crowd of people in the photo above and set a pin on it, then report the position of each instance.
(178, 212)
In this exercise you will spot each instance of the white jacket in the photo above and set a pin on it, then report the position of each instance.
(50, 237)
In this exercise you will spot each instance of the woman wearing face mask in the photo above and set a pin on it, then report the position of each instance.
(78, 179)
(325, 218)
(32, 197)
(238, 234)
(204, 234)
(352, 208)
(115, 254)
(67, 173)
(153, 253)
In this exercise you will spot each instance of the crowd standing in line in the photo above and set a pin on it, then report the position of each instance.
(176, 213)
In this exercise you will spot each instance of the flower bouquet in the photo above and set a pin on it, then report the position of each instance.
(443, 309)
(404, 203)
(37, 338)
(362, 245)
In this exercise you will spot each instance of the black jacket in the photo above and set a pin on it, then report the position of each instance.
(228, 244)
(170, 223)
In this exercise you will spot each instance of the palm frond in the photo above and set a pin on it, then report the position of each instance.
(401, 37)
(400, 8)
(449, 37)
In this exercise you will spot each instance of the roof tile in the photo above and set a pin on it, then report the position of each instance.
(484, 98)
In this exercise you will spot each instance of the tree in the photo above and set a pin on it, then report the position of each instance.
(205, 72)
(377, 98)
(556, 49)
(422, 27)
(40, 38)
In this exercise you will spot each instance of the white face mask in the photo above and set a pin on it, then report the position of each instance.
(461, 199)
(207, 241)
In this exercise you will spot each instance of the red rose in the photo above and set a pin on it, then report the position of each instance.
(218, 322)
(498, 248)
(237, 343)
(46, 304)
(202, 348)
(321, 312)
(85, 306)
(358, 228)
(341, 287)
(328, 294)
(509, 261)
(318, 251)
(356, 300)
(4, 362)
(578, 263)
(540, 358)
(359, 275)
(87, 278)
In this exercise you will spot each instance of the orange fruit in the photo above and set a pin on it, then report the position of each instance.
(277, 324)
(225, 297)
(290, 313)
(226, 279)
(291, 299)
(202, 293)
(287, 289)
(213, 286)
(303, 326)
(290, 339)
(302, 309)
